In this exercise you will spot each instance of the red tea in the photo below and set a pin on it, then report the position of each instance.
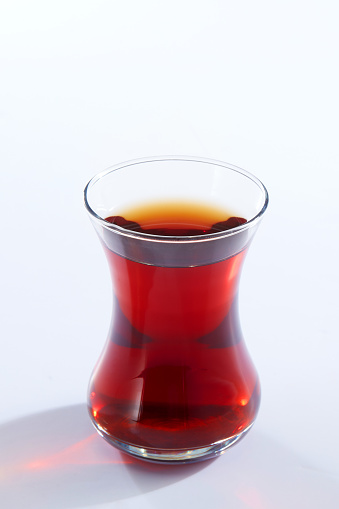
(175, 373)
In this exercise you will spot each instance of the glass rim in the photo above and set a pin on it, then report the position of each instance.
(169, 238)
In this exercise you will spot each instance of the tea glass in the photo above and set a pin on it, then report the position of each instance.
(174, 382)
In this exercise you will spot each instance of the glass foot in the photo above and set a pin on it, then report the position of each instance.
(172, 456)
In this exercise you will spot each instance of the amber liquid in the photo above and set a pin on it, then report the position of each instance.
(175, 373)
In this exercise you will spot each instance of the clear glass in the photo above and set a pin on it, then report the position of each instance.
(174, 382)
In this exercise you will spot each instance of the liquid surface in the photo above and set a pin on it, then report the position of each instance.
(177, 219)
(175, 372)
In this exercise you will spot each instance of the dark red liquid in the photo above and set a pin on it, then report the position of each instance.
(175, 373)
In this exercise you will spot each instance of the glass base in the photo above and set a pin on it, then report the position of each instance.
(172, 456)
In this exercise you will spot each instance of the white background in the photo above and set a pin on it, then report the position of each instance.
(87, 84)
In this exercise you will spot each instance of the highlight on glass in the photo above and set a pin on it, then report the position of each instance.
(174, 382)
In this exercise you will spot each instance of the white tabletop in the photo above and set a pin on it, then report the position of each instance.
(87, 84)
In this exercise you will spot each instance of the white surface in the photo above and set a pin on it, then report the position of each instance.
(88, 84)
